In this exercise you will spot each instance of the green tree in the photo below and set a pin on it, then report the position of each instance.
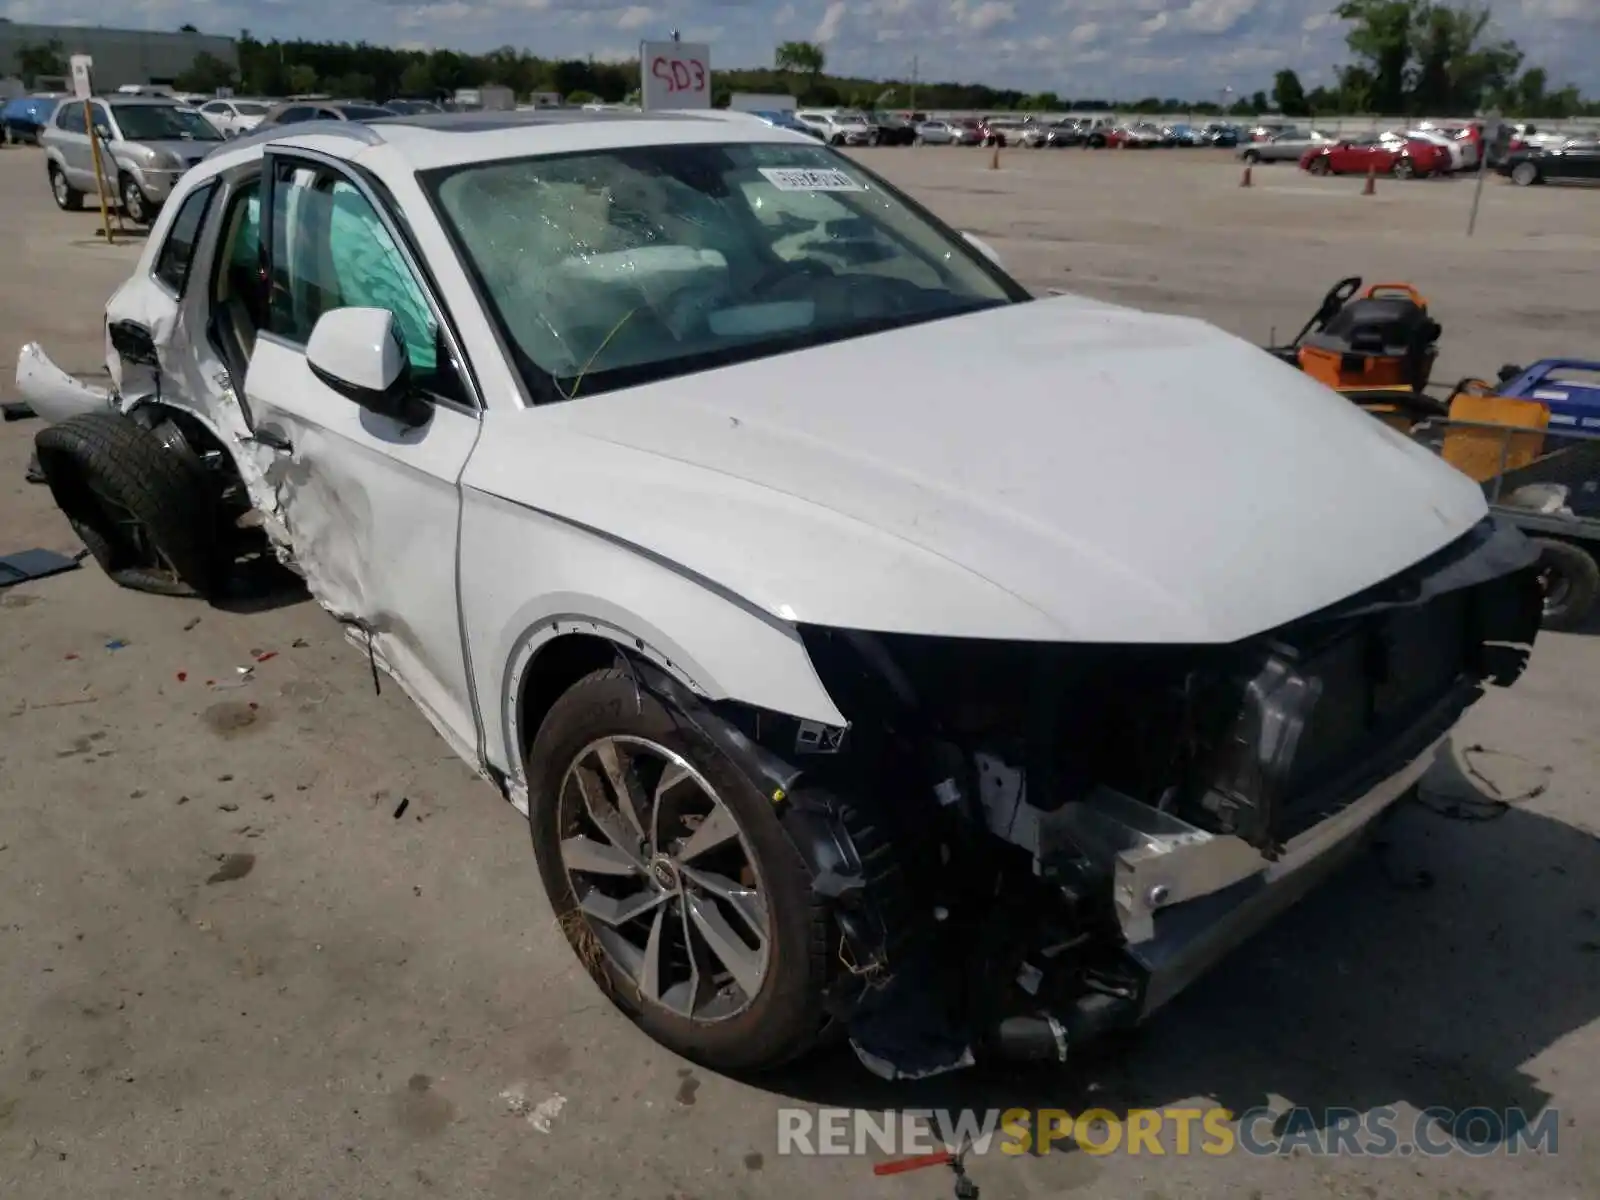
(302, 78)
(808, 58)
(206, 74)
(42, 58)
(1381, 37)
(1289, 95)
(1258, 103)
(1458, 65)
(417, 80)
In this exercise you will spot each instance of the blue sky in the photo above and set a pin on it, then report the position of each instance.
(1128, 48)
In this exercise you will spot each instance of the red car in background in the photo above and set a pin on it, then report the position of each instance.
(1358, 156)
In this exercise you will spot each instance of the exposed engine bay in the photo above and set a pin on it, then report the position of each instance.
(1030, 844)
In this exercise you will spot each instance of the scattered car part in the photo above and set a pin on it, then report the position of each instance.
(27, 565)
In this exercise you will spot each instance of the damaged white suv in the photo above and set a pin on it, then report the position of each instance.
(850, 679)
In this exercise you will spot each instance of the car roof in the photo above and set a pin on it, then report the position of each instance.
(129, 100)
(423, 141)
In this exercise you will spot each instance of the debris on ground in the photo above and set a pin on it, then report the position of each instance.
(17, 411)
(405, 803)
(116, 644)
(234, 866)
(190, 624)
(26, 565)
(539, 1115)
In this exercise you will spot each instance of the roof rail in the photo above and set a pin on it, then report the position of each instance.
(356, 130)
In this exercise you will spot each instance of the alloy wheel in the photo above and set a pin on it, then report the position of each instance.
(664, 878)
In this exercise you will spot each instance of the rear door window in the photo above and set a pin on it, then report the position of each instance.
(177, 252)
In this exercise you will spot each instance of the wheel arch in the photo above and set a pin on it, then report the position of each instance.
(552, 653)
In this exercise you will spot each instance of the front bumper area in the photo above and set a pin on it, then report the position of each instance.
(1235, 893)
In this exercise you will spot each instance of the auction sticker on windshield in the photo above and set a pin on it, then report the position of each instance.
(810, 179)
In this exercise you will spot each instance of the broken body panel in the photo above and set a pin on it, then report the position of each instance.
(1114, 630)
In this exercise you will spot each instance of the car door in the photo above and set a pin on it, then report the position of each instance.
(1581, 160)
(371, 505)
(72, 137)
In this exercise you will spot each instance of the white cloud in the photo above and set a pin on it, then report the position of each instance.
(1155, 24)
(832, 18)
(1085, 33)
(991, 13)
(1216, 16)
(636, 17)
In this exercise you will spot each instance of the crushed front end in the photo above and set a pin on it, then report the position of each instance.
(1027, 844)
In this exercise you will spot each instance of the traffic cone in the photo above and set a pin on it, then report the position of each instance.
(994, 160)
(1372, 182)
(1245, 181)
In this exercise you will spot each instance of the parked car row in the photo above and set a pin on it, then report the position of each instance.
(148, 140)
(1093, 133)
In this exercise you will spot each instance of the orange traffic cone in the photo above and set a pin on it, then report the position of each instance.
(1372, 182)
(994, 160)
(1245, 181)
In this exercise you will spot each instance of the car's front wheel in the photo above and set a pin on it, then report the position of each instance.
(673, 880)
(1525, 174)
(67, 197)
(134, 202)
(1319, 166)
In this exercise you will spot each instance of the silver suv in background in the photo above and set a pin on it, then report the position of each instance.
(146, 144)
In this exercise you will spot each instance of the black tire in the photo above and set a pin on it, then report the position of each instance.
(1319, 166)
(786, 1018)
(1403, 168)
(1526, 174)
(1571, 579)
(142, 511)
(67, 197)
(135, 204)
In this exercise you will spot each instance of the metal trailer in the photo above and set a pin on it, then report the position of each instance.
(1553, 499)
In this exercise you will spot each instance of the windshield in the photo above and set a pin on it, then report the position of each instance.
(615, 268)
(163, 123)
(248, 108)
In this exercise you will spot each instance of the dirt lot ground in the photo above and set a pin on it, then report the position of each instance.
(228, 968)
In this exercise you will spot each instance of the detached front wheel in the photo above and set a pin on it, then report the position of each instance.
(673, 880)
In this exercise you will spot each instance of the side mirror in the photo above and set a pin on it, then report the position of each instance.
(102, 131)
(359, 353)
(983, 248)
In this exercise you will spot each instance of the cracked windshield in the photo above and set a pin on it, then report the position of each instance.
(615, 268)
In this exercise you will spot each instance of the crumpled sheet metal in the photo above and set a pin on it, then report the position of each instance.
(53, 394)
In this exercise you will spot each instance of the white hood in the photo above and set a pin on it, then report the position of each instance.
(1061, 469)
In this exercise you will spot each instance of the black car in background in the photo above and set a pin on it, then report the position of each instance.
(21, 118)
(1576, 162)
(1224, 137)
(892, 130)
